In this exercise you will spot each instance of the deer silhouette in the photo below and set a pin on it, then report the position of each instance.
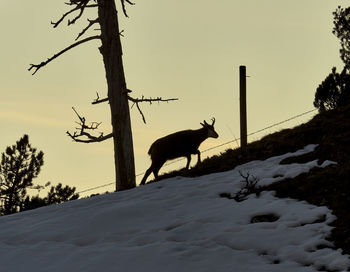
(179, 144)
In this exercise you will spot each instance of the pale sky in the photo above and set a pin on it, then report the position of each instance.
(190, 50)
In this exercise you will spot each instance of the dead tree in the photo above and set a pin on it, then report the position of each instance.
(118, 96)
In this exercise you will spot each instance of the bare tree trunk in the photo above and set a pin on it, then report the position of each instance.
(111, 51)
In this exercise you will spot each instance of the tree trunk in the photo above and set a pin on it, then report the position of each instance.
(111, 51)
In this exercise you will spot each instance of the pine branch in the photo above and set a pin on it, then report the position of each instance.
(38, 66)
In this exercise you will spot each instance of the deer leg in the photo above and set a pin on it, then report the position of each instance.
(188, 161)
(199, 156)
(156, 168)
(148, 172)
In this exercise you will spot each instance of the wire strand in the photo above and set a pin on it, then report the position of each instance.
(211, 148)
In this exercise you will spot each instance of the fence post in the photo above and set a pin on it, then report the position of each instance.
(243, 105)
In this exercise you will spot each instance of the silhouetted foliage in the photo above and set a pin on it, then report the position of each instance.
(33, 202)
(333, 91)
(20, 164)
(57, 194)
(60, 194)
(342, 31)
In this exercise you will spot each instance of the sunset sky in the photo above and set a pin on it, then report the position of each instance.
(189, 50)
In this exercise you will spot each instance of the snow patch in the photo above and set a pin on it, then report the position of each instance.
(179, 224)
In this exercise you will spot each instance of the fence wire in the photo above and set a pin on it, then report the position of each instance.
(211, 148)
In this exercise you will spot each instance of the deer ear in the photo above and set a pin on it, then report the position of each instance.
(205, 122)
(202, 124)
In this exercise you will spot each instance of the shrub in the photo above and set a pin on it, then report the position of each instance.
(333, 91)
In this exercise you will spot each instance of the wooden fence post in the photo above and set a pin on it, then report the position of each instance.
(243, 105)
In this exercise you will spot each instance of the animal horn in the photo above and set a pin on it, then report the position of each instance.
(213, 121)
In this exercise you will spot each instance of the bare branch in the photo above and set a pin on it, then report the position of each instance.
(140, 111)
(135, 101)
(123, 6)
(249, 187)
(98, 100)
(79, 5)
(93, 125)
(89, 138)
(55, 24)
(38, 66)
(91, 23)
(150, 100)
(78, 2)
(70, 22)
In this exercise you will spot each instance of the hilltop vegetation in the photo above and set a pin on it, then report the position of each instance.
(329, 186)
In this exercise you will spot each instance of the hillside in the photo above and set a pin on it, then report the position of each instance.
(179, 224)
(329, 186)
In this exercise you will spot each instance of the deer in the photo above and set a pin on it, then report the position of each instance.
(179, 144)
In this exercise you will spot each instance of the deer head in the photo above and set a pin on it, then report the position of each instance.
(210, 128)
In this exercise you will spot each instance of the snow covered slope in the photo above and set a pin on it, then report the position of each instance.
(179, 224)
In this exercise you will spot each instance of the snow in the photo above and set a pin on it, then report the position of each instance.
(178, 224)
